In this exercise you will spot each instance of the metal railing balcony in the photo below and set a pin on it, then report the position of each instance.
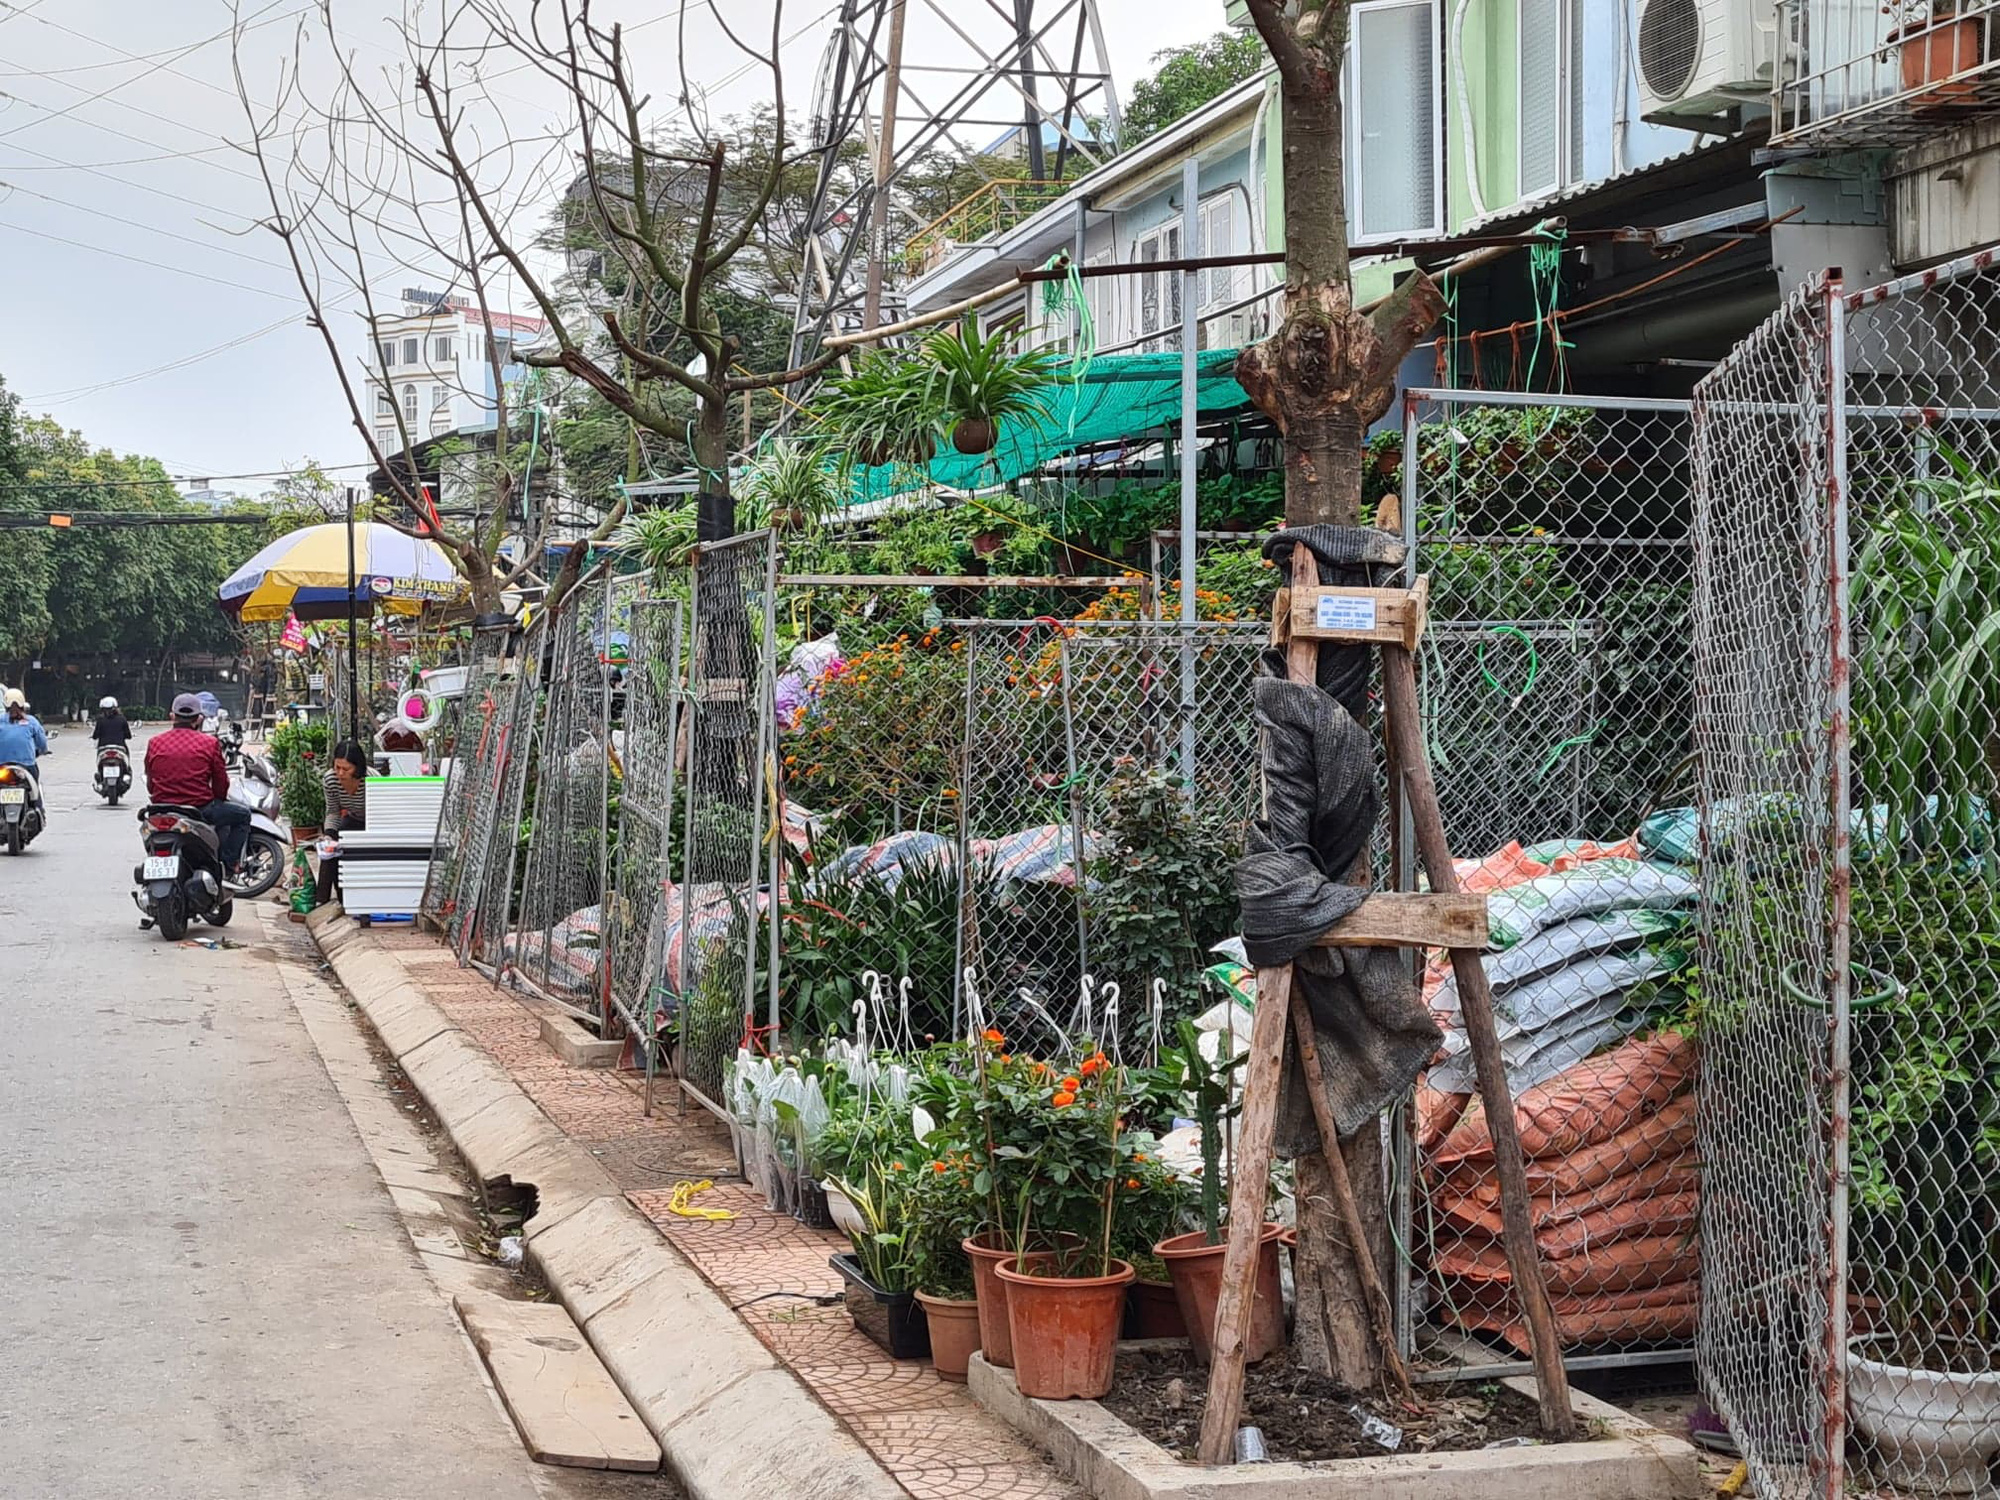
(1865, 73)
(993, 209)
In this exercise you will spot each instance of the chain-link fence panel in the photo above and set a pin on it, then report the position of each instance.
(1849, 684)
(1769, 1016)
(1557, 712)
(722, 911)
(471, 893)
(647, 706)
(555, 943)
(1109, 770)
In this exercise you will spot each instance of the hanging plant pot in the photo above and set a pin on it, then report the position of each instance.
(1065, 1330)
(895, 1320)
(1196, 1269)
(974, 435)
(986, 543)
(954, 1329)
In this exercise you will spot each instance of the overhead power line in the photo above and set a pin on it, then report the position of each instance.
(157, 265)
(89, 520)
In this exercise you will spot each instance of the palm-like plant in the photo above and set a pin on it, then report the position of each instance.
(661, 538)
(985, 381)
(890, 410)
(792, 487)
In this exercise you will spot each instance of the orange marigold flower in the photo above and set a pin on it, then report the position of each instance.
(1132, 1182)
(994, 1037)
(1097, 1062)
(1071, 1084)
(937, 1166)
(895, 1166)
(1138, 1156)
(1006, 1057)
(1063, 1098)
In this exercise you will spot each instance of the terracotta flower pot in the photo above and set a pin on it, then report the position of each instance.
(1153, 1311)
(1932, 52)
(305, 833)
(1196, 1268)
(986, 1251)
(1065, 1330)
(954, 1333)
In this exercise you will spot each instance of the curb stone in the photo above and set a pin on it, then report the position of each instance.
(732, 1421)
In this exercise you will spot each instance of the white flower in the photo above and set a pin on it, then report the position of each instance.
(922, 1123)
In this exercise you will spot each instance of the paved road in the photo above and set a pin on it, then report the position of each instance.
(204, 1290)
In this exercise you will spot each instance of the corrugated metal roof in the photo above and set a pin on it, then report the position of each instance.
(1702, 161)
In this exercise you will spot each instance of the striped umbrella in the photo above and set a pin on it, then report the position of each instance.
(305, 573)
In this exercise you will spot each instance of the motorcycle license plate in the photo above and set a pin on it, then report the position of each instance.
(162, 866)
(12, 794)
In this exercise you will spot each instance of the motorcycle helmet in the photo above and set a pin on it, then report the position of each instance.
(15, 695)
(107, 703)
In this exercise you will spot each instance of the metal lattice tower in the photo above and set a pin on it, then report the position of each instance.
(931, 74)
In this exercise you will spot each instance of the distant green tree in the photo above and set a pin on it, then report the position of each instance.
(1185, 78)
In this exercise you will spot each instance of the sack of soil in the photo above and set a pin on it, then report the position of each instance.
(1587, 1103)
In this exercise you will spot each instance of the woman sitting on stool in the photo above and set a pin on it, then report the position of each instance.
(346, 809)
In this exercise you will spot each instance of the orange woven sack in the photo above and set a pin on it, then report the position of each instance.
(1659, 1314)
(1667, 1136)
(1553, 1217)
(1624, 1266)
(1584, 1104)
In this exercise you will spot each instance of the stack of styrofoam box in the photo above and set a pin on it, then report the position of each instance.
(383, 867)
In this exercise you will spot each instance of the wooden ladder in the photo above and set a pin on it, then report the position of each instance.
(1306, 615)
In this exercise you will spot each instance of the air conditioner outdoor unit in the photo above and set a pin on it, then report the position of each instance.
(1700, 59)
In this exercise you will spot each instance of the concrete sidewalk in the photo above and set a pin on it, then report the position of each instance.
(713, 1328)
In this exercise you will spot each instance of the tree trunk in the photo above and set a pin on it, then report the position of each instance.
(1325, 377)
(715, 514)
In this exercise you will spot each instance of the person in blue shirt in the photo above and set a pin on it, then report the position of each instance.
(21, 737)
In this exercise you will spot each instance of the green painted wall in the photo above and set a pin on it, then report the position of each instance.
(1489, 48)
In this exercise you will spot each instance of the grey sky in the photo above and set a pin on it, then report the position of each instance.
(123, 215)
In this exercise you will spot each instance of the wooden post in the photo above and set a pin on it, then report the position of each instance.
(1250, 1172)
(1475, 1001)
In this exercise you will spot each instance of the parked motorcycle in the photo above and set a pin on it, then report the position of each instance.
(22, 813)
(114, 774)
(254, 784)
(180, 877)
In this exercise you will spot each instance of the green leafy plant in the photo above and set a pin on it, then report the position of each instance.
(1161, 892)
(661, 538)
(301, 784)
(792, 485)
(290, 740)
(890, 410)
(1206, 1085)
(884, 1245)
(986, 382)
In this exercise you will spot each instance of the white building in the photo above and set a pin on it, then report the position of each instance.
(432, 362)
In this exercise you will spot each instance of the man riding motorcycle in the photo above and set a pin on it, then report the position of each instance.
(184, 768)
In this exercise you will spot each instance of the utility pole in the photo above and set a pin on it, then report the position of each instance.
(885, 167)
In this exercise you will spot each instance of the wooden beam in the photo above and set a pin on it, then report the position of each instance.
(1389, 617)
(1391, 919)
(953, 581)
(1475, 1006)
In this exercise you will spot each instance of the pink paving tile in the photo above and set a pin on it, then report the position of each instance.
(770, 1267)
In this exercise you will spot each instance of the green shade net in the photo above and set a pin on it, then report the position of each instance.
(1121, 396)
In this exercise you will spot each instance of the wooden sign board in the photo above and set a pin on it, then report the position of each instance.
(1355, 616)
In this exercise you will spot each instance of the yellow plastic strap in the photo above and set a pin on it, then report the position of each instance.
(680, 1205)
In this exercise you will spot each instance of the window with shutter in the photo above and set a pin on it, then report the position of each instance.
(387, 350)
(409, 351)
(409, 403)
(1392, 164)
(1544, 111)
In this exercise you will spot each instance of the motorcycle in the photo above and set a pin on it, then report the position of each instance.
(114, 774)
(22, 813)
(180, 877)
(254, 784)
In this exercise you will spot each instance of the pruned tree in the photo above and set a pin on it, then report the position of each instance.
(1325, 375)
(672, 216)
(353, 193)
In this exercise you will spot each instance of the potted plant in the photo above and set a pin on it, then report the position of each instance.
(302, 796)
(1194, 1260)
(1067, 1159)
(792, 486)
(944, 1210)
(985, 382)
(888, 411)
(1935, 45)
(880, 1272)
(1924, 1362)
